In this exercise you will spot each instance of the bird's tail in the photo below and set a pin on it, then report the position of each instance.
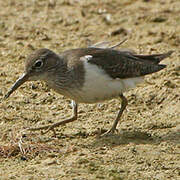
(154, 58)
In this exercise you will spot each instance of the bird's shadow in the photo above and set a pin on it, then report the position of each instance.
(136, 137)
(123, 138)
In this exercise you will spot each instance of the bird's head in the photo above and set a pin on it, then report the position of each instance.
(37, 66)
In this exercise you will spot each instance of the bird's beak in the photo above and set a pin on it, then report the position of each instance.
(18, 83)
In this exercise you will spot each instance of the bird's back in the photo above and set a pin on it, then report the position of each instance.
(106, 73)
(118, 63)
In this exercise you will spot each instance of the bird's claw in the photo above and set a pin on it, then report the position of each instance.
(51, 128)
(109, 133)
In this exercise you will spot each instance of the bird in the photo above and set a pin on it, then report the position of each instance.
(89, 75)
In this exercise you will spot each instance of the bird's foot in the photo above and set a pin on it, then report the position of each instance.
(109, 132)
(52, 127)
(47, 128)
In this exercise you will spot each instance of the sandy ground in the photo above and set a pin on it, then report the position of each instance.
(147, 145)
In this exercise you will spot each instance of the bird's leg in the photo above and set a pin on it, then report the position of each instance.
(52, 126)
(123, 106)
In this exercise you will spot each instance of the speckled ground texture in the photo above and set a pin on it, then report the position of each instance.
(147, 145)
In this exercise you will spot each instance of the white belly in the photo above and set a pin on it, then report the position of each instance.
(98, 86)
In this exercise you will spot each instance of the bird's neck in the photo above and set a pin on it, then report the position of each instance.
(61, 79)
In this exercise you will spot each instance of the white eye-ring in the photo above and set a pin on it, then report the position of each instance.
(38, 64)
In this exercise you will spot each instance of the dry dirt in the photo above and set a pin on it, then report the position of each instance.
(147, 145)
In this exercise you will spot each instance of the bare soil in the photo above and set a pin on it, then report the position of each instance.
(147, 145)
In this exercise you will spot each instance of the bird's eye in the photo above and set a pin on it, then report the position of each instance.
(38, 64)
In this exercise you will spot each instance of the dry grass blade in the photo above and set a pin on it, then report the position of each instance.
(19, 146)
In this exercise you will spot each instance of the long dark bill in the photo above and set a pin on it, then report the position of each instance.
(18, 83)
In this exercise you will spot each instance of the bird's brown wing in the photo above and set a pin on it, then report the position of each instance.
(118, 63)
(122, 64)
